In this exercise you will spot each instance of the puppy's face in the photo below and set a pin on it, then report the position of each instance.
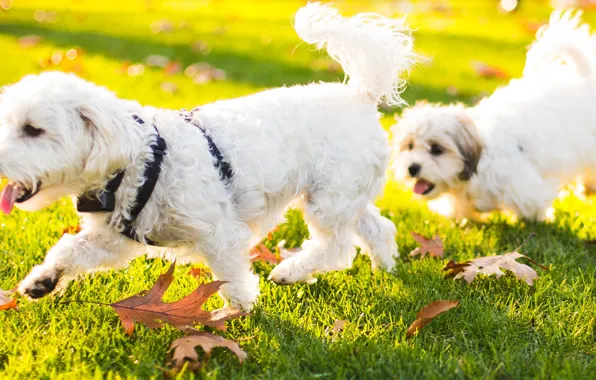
(435, 148)
(44, 140)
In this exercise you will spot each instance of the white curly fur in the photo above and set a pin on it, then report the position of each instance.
(517, 148)
(319, 146)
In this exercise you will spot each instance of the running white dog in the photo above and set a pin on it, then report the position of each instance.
(229, 171)
(514, 150)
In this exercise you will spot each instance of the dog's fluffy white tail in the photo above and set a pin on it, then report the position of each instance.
(373, 50)
(565, 38)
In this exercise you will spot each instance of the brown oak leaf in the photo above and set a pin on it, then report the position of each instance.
(72, 230)
(433, 247)
(184, 349)
(198, 272)
(6, 301)
(150, 310)
(492, 265)
(428, 313)
(262, 253)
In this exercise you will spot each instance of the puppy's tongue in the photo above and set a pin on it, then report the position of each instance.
(9, 197)
(422, 186)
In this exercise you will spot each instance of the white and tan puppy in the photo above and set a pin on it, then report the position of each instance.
(517, 148)
(320, 147)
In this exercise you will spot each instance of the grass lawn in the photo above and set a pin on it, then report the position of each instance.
(502, 329)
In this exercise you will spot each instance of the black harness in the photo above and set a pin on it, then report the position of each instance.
(105, 199)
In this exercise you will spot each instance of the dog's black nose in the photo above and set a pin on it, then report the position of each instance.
(414, 169)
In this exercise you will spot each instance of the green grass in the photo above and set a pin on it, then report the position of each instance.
(502, 329)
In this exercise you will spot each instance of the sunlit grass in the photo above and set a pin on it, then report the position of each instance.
(502, 329)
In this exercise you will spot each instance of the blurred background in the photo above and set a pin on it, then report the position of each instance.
(183, 53)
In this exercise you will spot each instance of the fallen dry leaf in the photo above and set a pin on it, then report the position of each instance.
(198, 272)
(262, 253)
(200, 47)
(339, 325)
(428, 313)
(6, 301)
(433, 247)
(160, 26)
(56, 57)
(149, 308)
(169, 87)
(486, 71)
(72, 230)
(29, 41)
(184, 349)
(135, 70)
(172, 68)
(157, 60)
(492, 265)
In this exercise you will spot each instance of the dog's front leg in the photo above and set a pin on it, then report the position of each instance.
(74, 255)
(226, 254)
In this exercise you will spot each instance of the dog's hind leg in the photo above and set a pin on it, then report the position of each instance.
(376, 236)
(330, 218)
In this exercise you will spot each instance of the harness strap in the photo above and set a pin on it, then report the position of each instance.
(220, 163)
(105, 201)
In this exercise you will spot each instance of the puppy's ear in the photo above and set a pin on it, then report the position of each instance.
(99, 133)
(469, 145)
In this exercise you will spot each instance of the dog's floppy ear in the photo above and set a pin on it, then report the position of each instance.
(469, 145)
(97, 128)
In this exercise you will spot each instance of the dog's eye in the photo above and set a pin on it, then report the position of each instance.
(31, 131)
(410, 146)
(436, 150)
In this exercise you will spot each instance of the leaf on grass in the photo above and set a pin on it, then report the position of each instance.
(184, 349)
(486, 71)
(200, 47)
(492, 265)
(150, 310)
(6, 301)
(433, 247)
(169, 87)
(72, 230)
(135, 70)
(203, 72)
(29, 41)
(172, 68)
(198, 272)
(157, 60)
(262, 253)
(339, 325)
(161, 26)
(428, 313)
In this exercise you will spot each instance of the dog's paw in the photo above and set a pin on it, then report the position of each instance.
(241, 295)
(386, 263)
(290, 271)
(40, 282)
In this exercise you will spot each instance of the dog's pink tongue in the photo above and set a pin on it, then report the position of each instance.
(421, 186)
(9, 197)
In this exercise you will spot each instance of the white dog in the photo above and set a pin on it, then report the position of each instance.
(514, 150)
(230, 168)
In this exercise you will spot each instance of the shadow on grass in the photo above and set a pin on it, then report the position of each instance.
(256, 70)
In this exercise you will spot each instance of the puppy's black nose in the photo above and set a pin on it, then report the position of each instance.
(414, 169)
